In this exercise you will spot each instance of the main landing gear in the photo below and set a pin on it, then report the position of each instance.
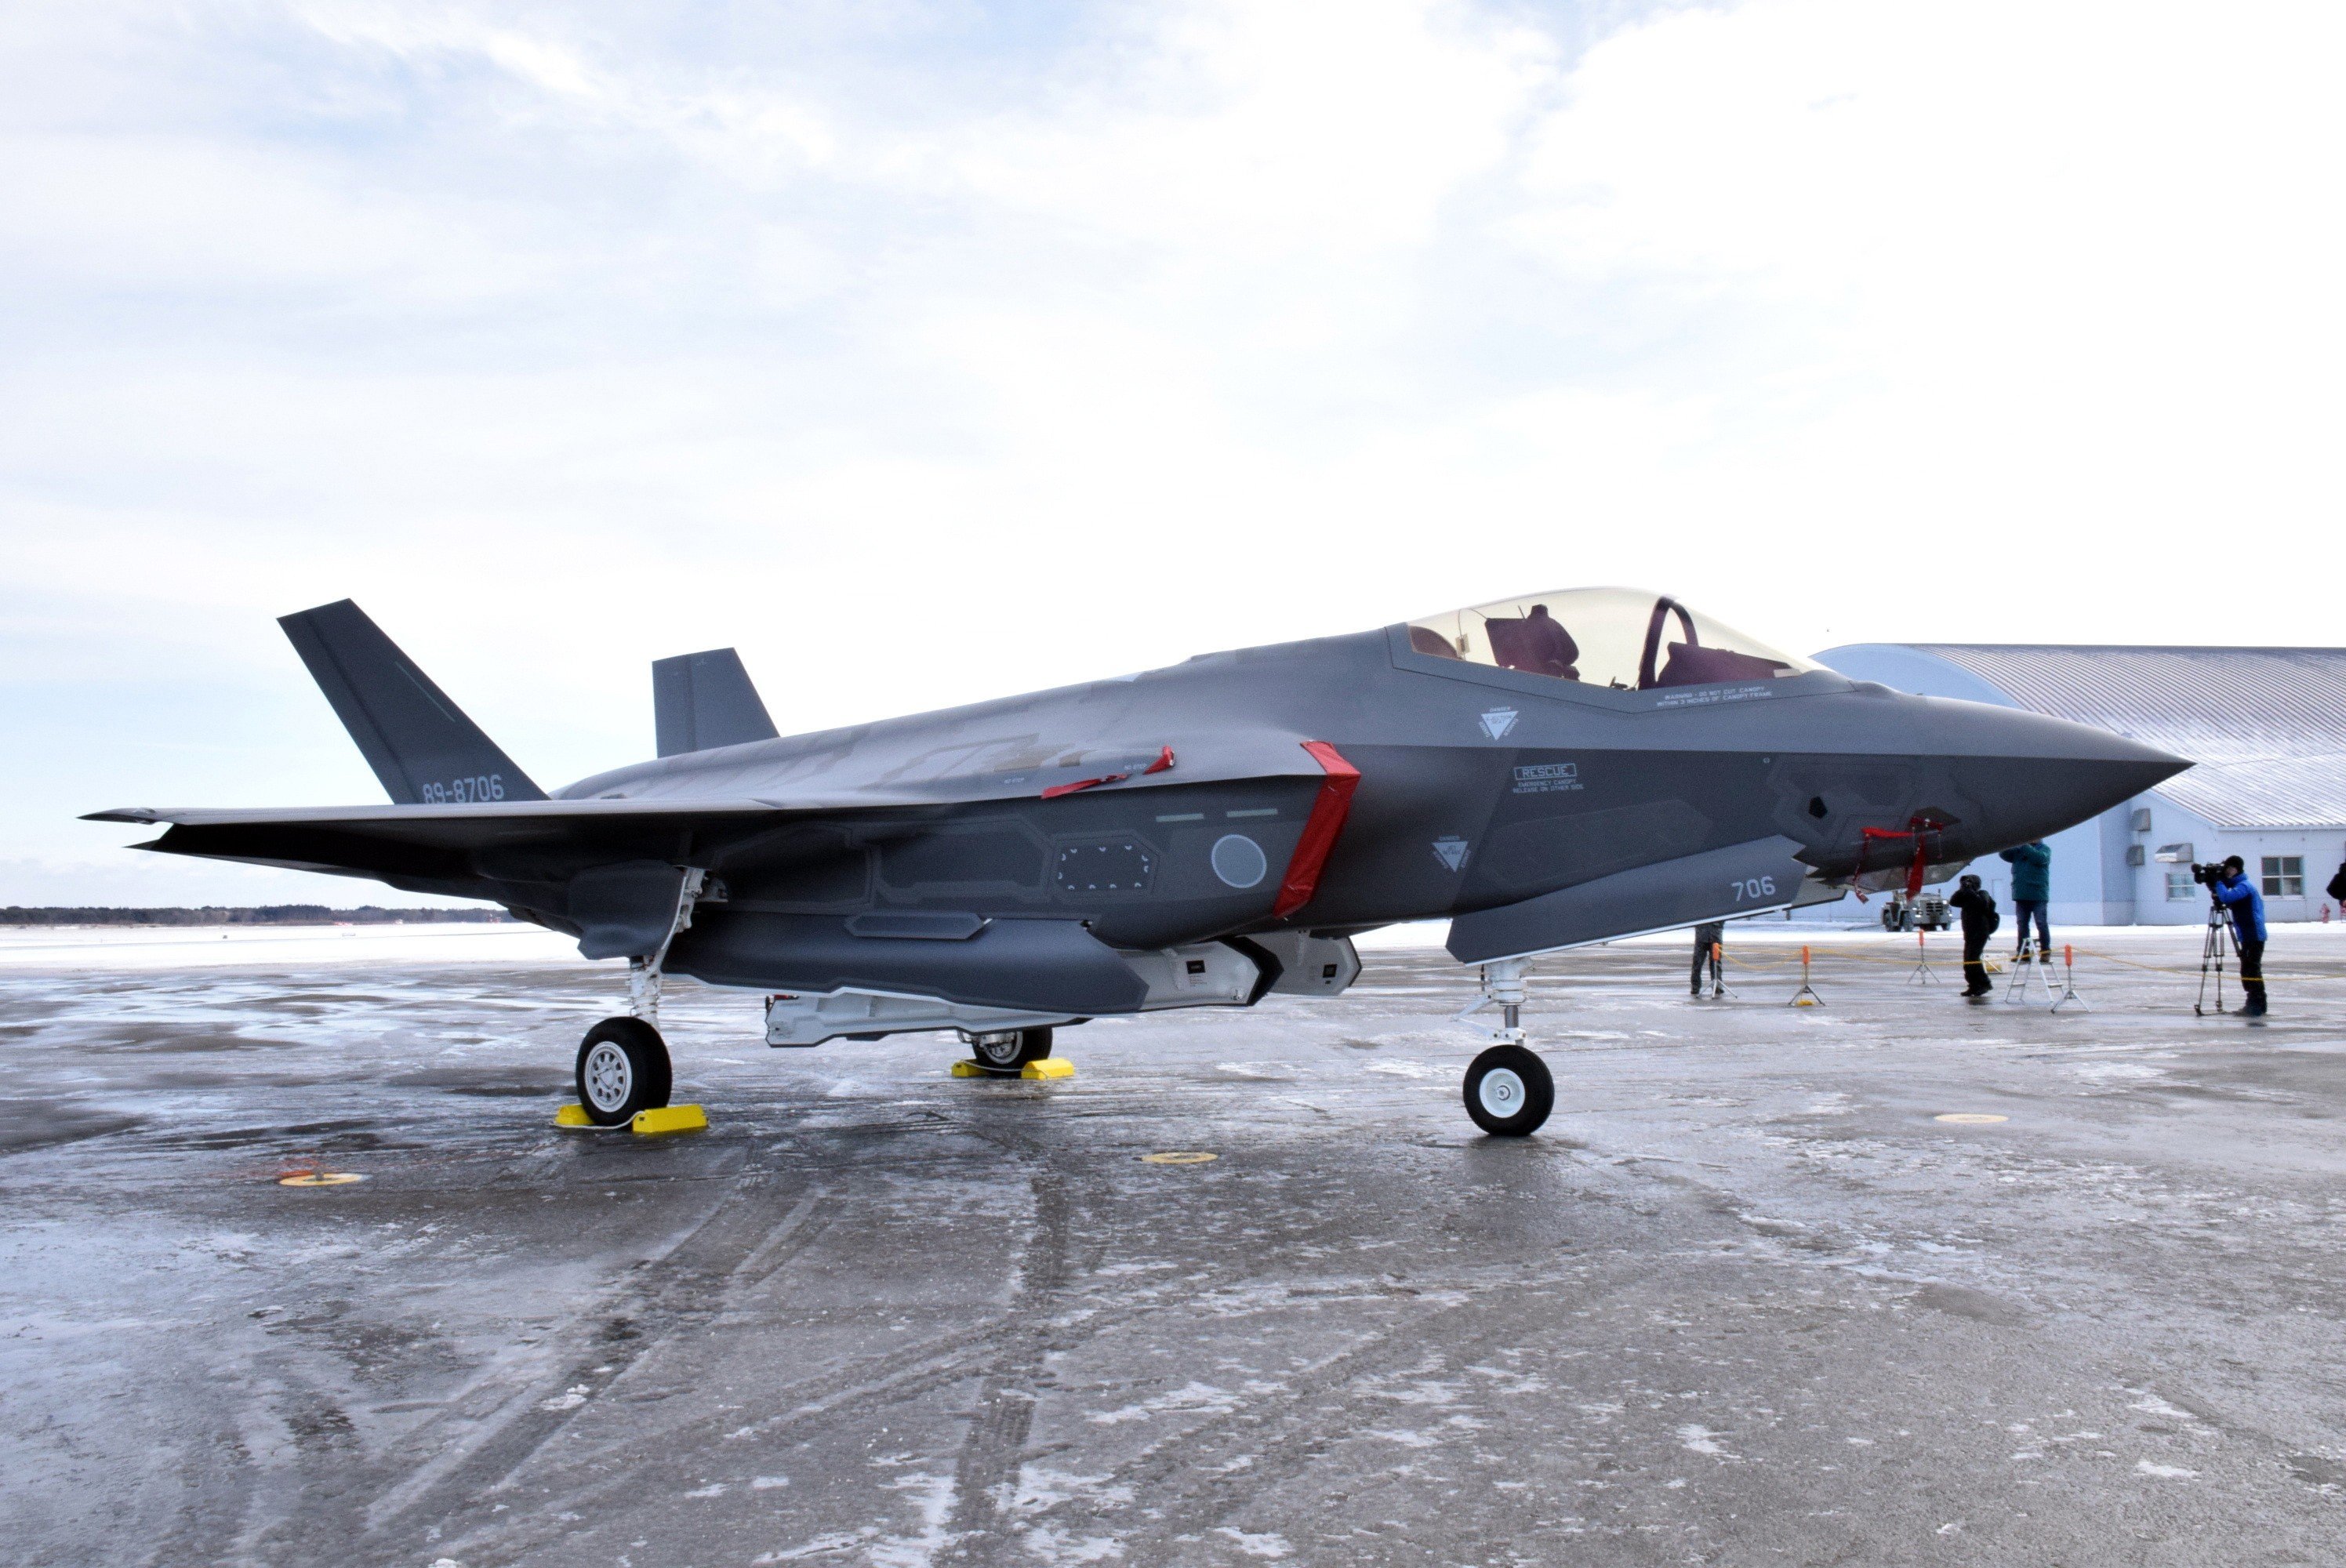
(623, 1062)
(1002, 1051)
(1509, 1092)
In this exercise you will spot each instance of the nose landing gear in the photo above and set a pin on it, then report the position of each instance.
(1509, 1092)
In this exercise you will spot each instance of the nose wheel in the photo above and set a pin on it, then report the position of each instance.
(623, 1068)
(1508, 1091)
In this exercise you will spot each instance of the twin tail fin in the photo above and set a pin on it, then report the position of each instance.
(420, 744)
(704, 701)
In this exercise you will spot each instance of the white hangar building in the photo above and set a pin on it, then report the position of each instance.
(2266, 727)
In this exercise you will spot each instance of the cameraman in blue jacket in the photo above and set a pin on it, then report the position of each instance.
(2230, 887)
(2032, 887)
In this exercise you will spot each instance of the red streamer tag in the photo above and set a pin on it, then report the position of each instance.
(1164, 760)
(1916, 827)
(1056, 790)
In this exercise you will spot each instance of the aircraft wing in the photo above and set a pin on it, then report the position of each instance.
(542, 840)
(445, 842)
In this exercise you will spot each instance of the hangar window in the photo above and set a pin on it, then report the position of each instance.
(2284, 876)
(2180, 885)
(1625, 638)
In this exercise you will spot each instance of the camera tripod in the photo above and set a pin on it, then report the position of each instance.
(2211, 951)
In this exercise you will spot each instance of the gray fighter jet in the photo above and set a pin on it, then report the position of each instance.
(1544, 772)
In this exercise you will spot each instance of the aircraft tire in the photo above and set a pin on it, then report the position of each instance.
(623, 1068)
(1009, 1050)
(1508, 1091)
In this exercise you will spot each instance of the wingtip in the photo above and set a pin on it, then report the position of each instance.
(147, 816)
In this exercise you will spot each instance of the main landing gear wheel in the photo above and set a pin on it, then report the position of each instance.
(623, 1068)
(1508, 1091)
(1008, 1050)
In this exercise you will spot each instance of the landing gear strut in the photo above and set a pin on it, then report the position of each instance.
(1508, 1090)
(623, 1064)
(1005, 1050)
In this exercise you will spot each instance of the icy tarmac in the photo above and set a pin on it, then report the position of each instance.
(1749, 1298)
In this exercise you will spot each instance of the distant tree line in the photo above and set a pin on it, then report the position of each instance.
(263, 914)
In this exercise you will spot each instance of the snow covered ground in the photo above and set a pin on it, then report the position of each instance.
(1898, 1279)
(177, 946)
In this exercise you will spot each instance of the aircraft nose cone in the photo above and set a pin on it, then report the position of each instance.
(2030, 776)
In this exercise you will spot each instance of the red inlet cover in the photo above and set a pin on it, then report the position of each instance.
(1320, 831)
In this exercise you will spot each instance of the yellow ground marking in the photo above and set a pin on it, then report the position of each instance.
(1970, 1119)
(320, 1178)
(1179, 1157)
(671, 1119)
(1048, 1067)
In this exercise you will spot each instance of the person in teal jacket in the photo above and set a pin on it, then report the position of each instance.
(2032, 888)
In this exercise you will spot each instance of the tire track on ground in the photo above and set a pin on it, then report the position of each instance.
(683, 1287)
(992, 1450)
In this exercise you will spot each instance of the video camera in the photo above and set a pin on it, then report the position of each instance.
(2207, 876)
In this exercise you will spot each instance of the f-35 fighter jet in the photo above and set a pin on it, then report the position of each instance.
(1544, 772)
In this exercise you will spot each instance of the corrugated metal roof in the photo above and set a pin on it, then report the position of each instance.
(2267, 726)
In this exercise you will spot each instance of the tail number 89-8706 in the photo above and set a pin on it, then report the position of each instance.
(1754, 888)
(465, 792)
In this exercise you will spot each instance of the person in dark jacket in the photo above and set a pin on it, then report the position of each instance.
(2336, 887)
(1707, 939)
(2032, 887)
(2246, 907)
(1980, 921)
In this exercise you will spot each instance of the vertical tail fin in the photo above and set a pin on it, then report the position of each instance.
(704, 701)
(420, 744)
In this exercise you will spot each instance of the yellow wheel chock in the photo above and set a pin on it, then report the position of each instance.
(659, 1119)
(671, 1119)
(1048, 1067)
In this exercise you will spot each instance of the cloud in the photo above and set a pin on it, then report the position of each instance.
(2061, 259)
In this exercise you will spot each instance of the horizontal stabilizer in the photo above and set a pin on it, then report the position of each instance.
(420, 744)
(1739, 880)
(487, 822)
(704, 701)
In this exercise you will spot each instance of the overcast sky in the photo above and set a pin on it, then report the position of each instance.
(930, 352)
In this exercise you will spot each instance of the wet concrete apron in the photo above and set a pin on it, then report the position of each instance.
(1744, 1300)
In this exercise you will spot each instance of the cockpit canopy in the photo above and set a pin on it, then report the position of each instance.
(1625, 638)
